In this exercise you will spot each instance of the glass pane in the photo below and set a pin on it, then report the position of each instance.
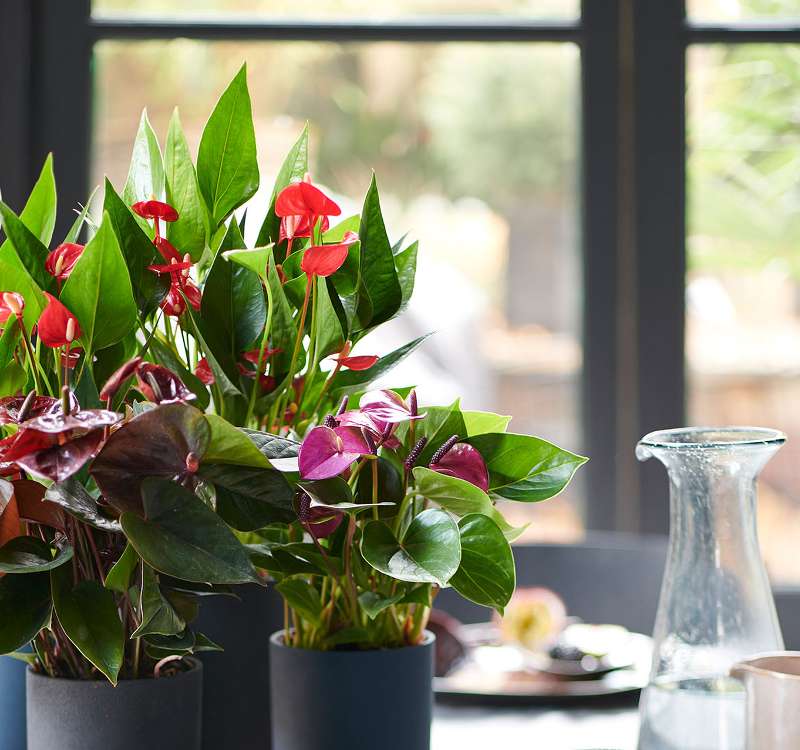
(743, 296)
(339, 9)
(484, 175)
(743, 10)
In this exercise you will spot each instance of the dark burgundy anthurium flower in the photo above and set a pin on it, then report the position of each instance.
(464, 462)
(324, 260)
(57, 326)
(62, 260)
(11, 303)
(380, 430)
(327, 452)
(154, 209)
(118, 377)
(204, 373)
(319, 522)
(18, 409)
(387, 406)
(70, 360)
(160, 385)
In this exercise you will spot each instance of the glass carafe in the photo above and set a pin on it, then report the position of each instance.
(716, 606)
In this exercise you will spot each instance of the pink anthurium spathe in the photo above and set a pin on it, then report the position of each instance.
(62, 260)
(327, 452)
(464, 462)
(388, 406)
(11, 303)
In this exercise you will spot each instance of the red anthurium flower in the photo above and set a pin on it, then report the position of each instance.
(154, 209)
(464, 462)
(70, 360)
(253, 354)
(266, 382)
(299, 226)
(172, 267)
(328, 452)
(174, 303)
(387, 406)
(363, 362)
(203, 372)
(324, 260)
(306, 200)
(57, 326)
(160, 385)
(62, 260)
(11, 303)
(168, 251)
(118, 377)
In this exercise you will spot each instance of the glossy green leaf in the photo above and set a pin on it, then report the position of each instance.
(380, 293)
(9, 338)
(28, 554)
(138, 251)
(230, 445)
(525, 468)
(72, 496)
(373, 603)
(233, 308)
(273, 446)
(30, 249)
(88, 614)
(481, 422)
(224, 371)
(283, 330)
(180, 536)
(486, 575)
(329, 334)
(105, 317)
(189, 232)
(303, 598)
(227, 166)
(250, 498)
(39, 214)
(26, 605)
(17, 279)
(430, 551)
(294, 168)
(13, 378)
(406, 265)
(439, 424)
(158, 615)
(121, 574)
(351, 381)
(81, 219)
(146, 172)
(255, 260)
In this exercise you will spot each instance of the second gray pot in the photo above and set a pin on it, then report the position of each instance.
(95, 715)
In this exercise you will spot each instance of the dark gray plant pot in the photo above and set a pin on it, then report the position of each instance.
(12, 704)
(351, 700)
(94, 715)
(236, 680)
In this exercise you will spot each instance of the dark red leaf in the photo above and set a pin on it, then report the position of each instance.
(33, 507)
(160, 385)
(61, 461)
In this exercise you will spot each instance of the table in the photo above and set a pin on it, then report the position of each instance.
(480, 728)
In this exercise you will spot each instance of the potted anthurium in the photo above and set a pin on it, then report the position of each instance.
(184, 413)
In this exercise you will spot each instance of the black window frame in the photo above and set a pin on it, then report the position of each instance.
(632, 194)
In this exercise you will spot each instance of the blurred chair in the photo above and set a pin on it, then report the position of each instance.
(609, 578)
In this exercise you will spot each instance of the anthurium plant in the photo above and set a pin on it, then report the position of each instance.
(181, 412)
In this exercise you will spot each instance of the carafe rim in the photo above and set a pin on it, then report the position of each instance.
(750, 666)
(712, 438)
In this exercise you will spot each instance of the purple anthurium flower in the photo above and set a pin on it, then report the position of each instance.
(380, 429)
(319, 522)
(387, 406)
(464, 462)
(327, 452)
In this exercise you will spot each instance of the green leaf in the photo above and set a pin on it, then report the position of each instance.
(525, 468)
(255, 260)
(13, 378)
(230, 445)
(180, 536)
(39, 214)
(380, 291)
(146, 173)
(158, 615)
(430, 551)
(273, 446)
(121, 573)
(329, 335)
(29, 248)
(406, 265)
(190, 231)
(351, 381)
(440, 423)
(250, 498)
(27, 554)
(72, 496)
(88, 614)
(26, 606)
(227, 167)
(486, 575)
(459, 497)
(9, 339)
(283, 329)
(77, 225)
(294, 168)
(138, 251)
(224, 372)
(481, 422)
(99, 293)
(373, 603)
(303, 598)
(17, 279)
(233, 308)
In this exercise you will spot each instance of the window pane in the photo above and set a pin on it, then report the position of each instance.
(338, 9)
(734, 10)
(743, 296)
(484, 175)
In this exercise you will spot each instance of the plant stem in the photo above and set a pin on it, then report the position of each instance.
(298, 342)
(26, 343)
(264, 344)
(375, 490)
